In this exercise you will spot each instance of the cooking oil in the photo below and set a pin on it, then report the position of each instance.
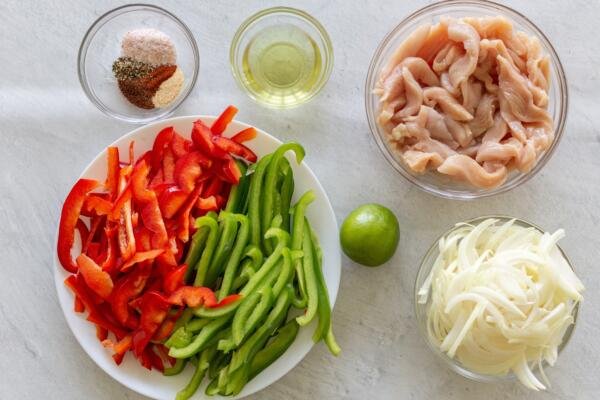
(282, 65)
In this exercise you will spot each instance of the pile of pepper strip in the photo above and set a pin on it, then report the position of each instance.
(135, 229)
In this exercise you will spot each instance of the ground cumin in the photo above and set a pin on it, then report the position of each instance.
(140, 91)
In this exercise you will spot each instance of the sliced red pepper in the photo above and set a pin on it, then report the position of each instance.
(119, 348)
(174, 279)
(157, 180)
(112, 174)
(143, 239)
(163, 138)
(141, 256)
(155, 360)
(214, 187)
(238, 149)
(244, 135)
(96, 279)
(203, 139)
(183, 219)
(68, 220)
(110, 261)
(153, 310)
(125, 233)
(231, 171)
(168, 166)
(227, 300)
(96, 224)
(78, 307)
(135, 219)
(152, 218)
(189, 168)
(83, 230)
(139, 182)
(171, 200)
(96, 205)
(163, 351)
(220, 124)
(101, 333)
(164, 331)
(193, 296)
(93, 250)
(180, 145)
(131, 152)
(207, 203)
(122, 198)
(129, 287)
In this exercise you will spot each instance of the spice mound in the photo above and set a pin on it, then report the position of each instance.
(146, 72)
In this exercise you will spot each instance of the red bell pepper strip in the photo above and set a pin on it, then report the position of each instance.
(112, 174)
(143, 239)
(244, 135)
(139, 182)
(119, 348)
(220, 124)
(83, 230)
(207, 203)
(238, 149)
(68, 221)
(171, 200)
(101, 333)
(214, 187)
(231, 171)
(95, 226)
(96, 205)
(125, 233)
(96, 279)
(110, 261)
(153, 310)
(128, 288)
(174, 279)
(163, 351)
(163, 138)
(164, 331)
(183, 232)
(131, 152)
(141, 256)
(193, 296)
(180, 145)
(189, 168)
(203, 140)
(155, 360)
(227, 300)
(153, 220)
(78, 305)
(168, 166)
(122, 198)
(157, 180)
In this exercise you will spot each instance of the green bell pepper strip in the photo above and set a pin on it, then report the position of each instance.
(197, 324)
(244, 354)
(287, 191)
(211, 242)
(254, 200)
(282, 241)
(181, 337)
(324, 328)
(271, 176)
(212, 313)
(195, 251)
(247, 319)
(213, 387)
(297, 233)
(242, 314)
(237, 194)
(229, 228)
(220, 361)
(184, 318)
(251, 262)
(231, 268)
(176, 368)
(275, 348)
(192, 386)
(285, 274)
(312, 285)
(203, 339)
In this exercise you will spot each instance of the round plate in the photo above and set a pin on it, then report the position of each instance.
(152, 383)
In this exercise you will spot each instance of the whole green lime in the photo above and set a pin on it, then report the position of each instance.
(370, 234)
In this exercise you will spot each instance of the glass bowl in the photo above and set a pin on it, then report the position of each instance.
(436, 183)
(421, 309)
(270, 17)
(101, 46)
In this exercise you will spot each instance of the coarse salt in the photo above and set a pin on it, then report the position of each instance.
(150, 46)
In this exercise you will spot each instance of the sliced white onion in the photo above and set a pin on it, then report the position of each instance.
(502, 298)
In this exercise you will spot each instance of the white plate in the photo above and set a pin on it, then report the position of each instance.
(152, 383)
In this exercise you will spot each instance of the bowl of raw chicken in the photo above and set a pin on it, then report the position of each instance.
(466, 99)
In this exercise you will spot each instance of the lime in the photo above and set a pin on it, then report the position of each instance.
(370, 234)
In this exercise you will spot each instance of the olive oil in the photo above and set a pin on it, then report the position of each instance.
(282, 65)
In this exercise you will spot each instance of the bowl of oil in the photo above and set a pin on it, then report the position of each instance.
(281, 57)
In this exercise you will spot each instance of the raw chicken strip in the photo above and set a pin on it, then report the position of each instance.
(491, 49)
(420, 162)
(445, 82)
(414, 95)
(460, 132)
(484, 115)
(462, 68)
(436, 40)
(441, 97)
(471, 92)
(465, 168)
(410, 47)
(514, 89)
(446, 57)
(437, 128)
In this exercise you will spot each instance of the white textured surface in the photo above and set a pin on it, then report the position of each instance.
(49, 131)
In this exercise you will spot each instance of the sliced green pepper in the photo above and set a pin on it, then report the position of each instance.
(202, 340)
(228, 225)
(211, 242)
(232, 265)
(312, 285)
(275, 348)
(254, 200)
(287, 191)
(238, 193)
(176, 368)
(297, 232)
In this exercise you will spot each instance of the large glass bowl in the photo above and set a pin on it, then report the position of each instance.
(433, 182)
(101, 45)
(421, 309)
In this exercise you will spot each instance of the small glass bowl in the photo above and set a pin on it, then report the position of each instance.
(421, 309)
(435, 183)
(272, 17)
(101, 46)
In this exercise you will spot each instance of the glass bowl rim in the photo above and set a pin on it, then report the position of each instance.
(303, 15)
(561, 87)
(93, 30)
(453, 363)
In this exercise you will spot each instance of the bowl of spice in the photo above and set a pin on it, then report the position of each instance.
(138, 63)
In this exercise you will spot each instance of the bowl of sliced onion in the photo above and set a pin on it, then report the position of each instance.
(496, 298)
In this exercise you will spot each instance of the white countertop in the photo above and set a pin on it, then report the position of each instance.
(49, 131)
